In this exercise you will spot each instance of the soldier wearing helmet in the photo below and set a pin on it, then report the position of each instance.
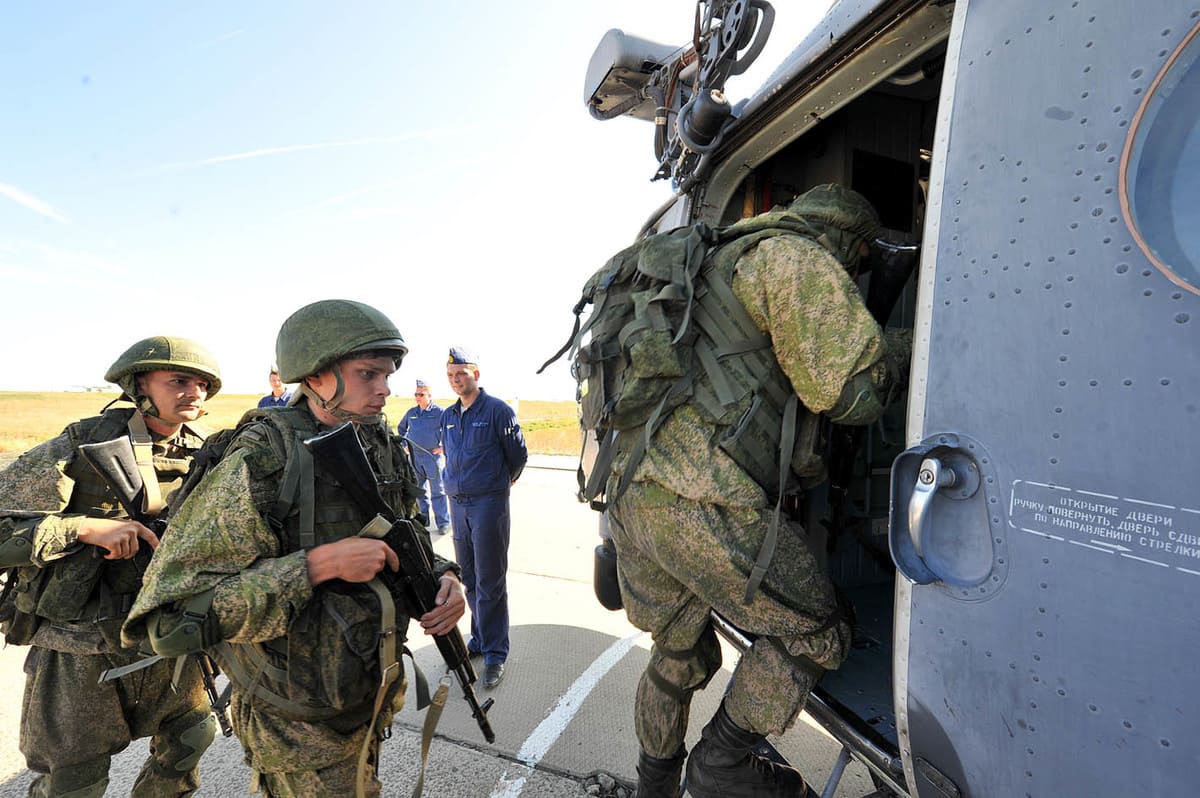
(76, 561)
(698, 526)
(279, 583)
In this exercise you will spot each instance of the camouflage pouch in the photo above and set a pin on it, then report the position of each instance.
(68, 584)
(332, 651)
(17, 621)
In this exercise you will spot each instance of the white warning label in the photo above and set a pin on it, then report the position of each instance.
(1158, 534)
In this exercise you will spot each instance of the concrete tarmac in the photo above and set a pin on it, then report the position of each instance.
(563, 713)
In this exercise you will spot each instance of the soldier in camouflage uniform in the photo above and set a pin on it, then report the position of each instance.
(689, 528)
(264, 566)
(77, 562)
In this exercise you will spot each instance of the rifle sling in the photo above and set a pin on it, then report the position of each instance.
(431, 721)
(389, 672)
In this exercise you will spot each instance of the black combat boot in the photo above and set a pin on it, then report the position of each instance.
(722, 766)
(659, 778)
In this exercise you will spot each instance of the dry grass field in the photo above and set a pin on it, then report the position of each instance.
(27, 419)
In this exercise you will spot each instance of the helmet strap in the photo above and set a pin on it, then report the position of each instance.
(332, 405)
(143, 403)
(145, 406)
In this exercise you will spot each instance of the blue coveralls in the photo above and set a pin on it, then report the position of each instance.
(271, 400)
(424, 428)
(485, 453)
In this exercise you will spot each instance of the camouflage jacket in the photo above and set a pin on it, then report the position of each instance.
(220, 540)
(44, 497)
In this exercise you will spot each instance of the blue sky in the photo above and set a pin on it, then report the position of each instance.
(206, 169)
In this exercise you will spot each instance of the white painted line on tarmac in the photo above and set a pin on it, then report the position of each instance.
(547, 732)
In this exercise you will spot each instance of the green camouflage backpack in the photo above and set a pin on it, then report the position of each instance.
(665, 329)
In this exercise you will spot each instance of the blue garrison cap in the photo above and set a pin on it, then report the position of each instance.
(422, 384)
(462, 356)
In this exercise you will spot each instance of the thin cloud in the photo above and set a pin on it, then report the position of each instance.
(32, 203)
(224, 37)
(324, 145)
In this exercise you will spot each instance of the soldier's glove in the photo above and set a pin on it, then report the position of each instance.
(898, 342)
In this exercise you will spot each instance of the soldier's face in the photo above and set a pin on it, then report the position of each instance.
(463, 379)
(178, 396)
(365, 380)
(422, 397)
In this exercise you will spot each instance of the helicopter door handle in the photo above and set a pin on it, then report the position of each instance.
(932, 477)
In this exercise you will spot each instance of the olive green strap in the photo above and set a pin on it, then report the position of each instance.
(437, 704)
(298, 487)
(143, 450)
(641, 443)
(116, 673)
(767, 551)
(248, 684)
(389, 672)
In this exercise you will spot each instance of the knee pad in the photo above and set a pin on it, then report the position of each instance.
(183, 741)
(693, 667)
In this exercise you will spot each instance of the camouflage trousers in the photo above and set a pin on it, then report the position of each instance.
(293, 759)
(676, 560)
(71, 725)
(339, 780)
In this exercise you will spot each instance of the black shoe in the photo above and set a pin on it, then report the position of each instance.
(492, 674)
(722, 765)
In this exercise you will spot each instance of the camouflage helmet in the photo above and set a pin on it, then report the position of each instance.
(163, 352)
(845, 215)
(320, 334)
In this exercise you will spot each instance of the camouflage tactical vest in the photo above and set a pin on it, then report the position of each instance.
(83, 587)
(326, 668)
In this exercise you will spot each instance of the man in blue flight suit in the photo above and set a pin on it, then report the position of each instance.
(421, 429)
(279, 395)
(485, 453)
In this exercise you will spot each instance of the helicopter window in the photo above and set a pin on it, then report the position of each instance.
(1162, 172)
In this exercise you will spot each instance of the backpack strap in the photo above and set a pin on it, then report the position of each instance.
(670, 400)
(297, 486)
(573, 338)
(766, 552)
(143, 450)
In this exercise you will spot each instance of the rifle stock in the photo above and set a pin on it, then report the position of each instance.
(116, 464)
(415, 585)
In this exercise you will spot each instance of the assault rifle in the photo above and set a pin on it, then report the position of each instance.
(116, 464)
(414, 585)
